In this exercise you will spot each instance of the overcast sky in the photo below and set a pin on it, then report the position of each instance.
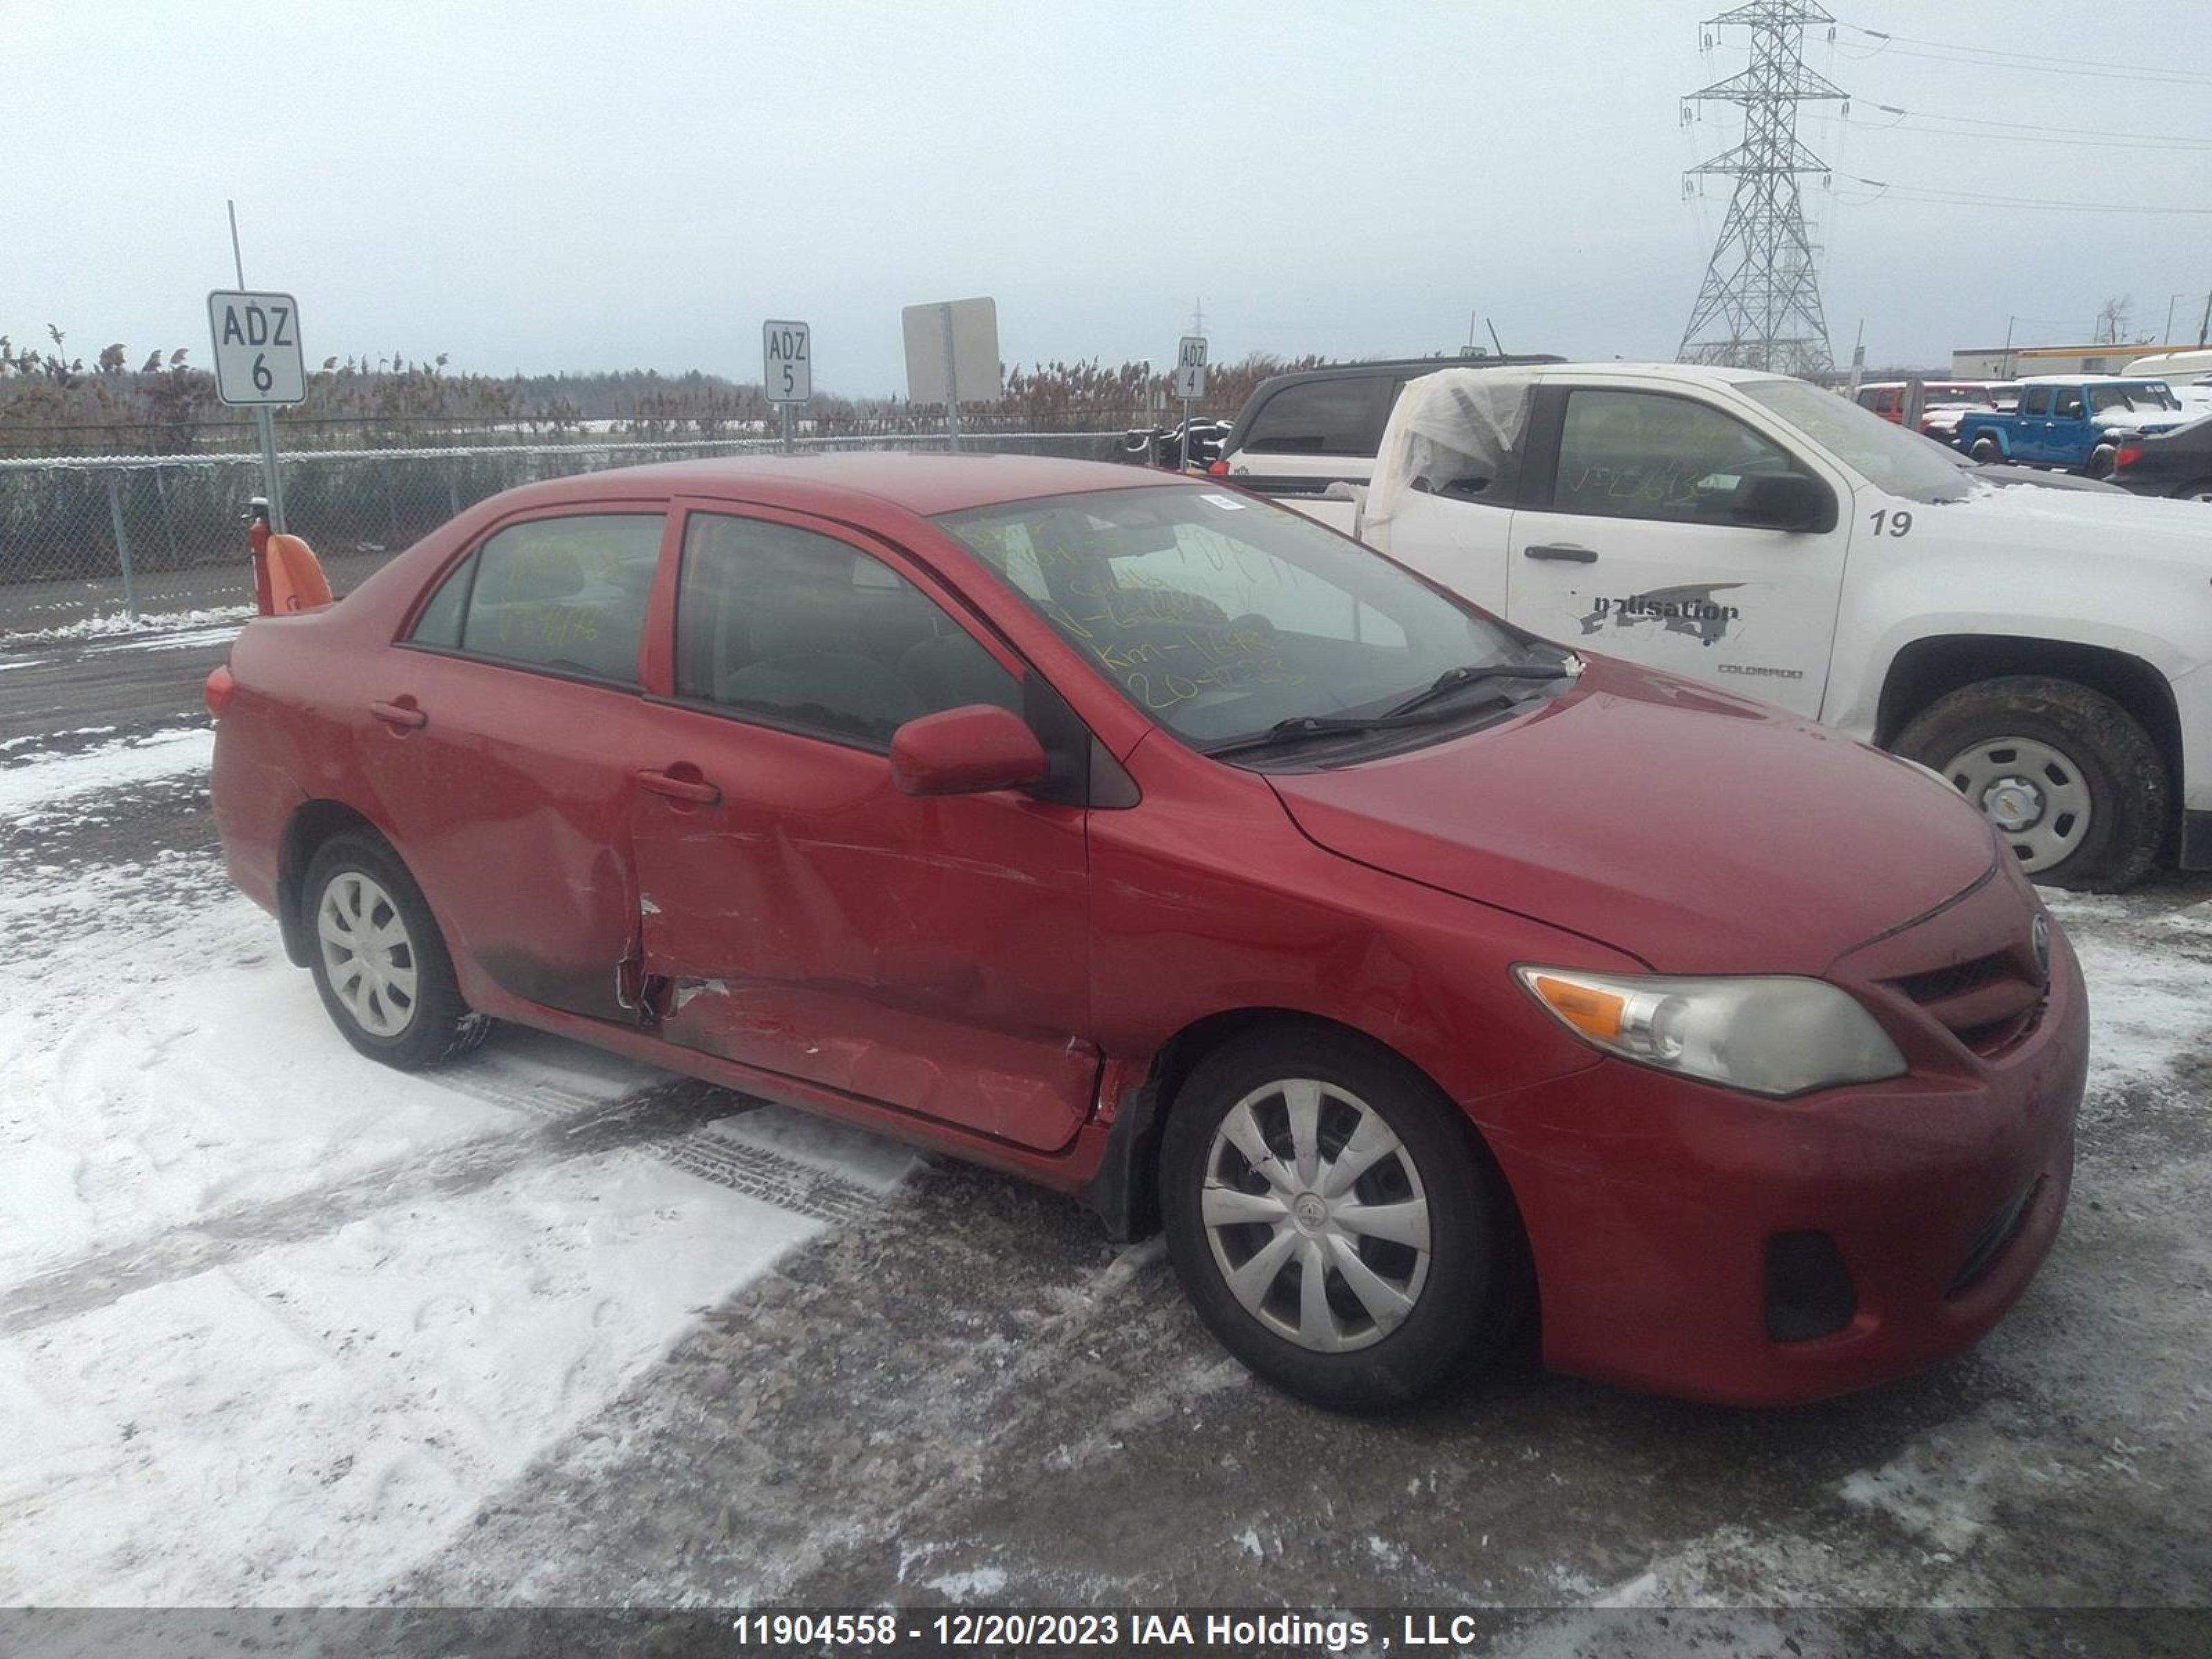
(558, 184)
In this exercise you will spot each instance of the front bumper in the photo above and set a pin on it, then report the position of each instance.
(1652, 1205)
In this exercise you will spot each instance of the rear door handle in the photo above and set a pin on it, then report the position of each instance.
(1564, 550)
(698, 792)
(404, 715)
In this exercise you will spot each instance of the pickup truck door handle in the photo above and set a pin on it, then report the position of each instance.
(404, 715)
(698, 792)
(1564, 550)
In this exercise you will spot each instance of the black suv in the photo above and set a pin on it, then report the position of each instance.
(1338, 411)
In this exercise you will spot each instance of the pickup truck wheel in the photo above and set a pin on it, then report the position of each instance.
(1333, 1223)
(380, 964)
(2071, 779)
(1986, 451)
(2100, 461)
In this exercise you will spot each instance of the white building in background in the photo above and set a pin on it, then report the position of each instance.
(2011, 363)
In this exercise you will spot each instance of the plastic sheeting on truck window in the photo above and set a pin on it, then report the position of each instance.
(1453, 433)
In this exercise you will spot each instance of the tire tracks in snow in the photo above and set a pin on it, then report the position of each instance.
(670, 1120)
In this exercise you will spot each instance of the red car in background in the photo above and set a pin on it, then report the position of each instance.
(1144, 839)
(1942, 402)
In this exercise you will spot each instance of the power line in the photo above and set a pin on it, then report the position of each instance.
(1916, 129)
(1966, 54)
(2082, 138)
(1972, 198)
(1999, 52)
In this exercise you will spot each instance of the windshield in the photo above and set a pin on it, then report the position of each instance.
(1889, 457)
(2143, 395)
(1220, 615)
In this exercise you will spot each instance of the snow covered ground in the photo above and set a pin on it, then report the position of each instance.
(280, 1326)
(275, 1320)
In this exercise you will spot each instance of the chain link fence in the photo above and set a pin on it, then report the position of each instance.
(93, 541)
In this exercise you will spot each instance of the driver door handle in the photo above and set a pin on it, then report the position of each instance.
(404, 715)
(698, 792)
(1567, 551)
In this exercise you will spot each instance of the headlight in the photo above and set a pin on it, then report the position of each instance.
(1768, 1035)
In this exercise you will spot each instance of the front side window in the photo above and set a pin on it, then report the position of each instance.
(1644, 455)
(567, 594)
(1220, 615)
(2069, 407)
(801, 629)
(1340, 415)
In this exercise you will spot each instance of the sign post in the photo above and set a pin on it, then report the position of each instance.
(1189, 383)
(952, 357)
(259, 362)
(787, 368)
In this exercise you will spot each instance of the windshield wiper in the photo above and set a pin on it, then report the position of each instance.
(1301, 727)
(1472, 673)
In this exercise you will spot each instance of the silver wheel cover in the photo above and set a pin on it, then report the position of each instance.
(1316, 1216)
(367, 958)
(2034, 793)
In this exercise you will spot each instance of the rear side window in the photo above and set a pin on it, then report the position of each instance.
(1338, 416)
(566, 594)
(806, 631)
(2036, 400)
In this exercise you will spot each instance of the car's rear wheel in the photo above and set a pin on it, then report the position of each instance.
(1986, 451)
(378, 961)
(1332, 1220)
(2072, 781)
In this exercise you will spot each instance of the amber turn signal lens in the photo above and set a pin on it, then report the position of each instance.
(1594, 1013)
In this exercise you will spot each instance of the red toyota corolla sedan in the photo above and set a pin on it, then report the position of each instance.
(1159, 845)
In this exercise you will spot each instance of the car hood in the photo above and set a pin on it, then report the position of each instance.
(2127, 420)
(2087, 525)
(1701, 832)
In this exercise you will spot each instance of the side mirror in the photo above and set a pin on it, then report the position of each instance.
(1784, 500)
(966, 751)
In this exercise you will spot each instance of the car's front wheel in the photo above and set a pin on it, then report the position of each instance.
(1331, 1220)
(379, 962)
(2072, 781)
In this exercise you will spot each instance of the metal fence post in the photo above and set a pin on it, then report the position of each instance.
(121, 543)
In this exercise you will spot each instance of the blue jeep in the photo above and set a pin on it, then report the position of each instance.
(2072, 421)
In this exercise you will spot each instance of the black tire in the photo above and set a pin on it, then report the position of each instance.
(1466, 1302)
(435, 1025)
(2100, 461)
(2123, 773)
(1987, 451)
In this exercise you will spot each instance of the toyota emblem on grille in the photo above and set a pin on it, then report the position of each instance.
(2038, 939)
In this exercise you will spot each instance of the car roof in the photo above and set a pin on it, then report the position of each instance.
(852, 483)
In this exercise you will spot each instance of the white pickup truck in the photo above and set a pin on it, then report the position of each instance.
(2048, 651)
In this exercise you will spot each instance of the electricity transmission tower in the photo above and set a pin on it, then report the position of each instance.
(1759, 305)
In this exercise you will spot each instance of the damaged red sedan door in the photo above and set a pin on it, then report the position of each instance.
(800, 913)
